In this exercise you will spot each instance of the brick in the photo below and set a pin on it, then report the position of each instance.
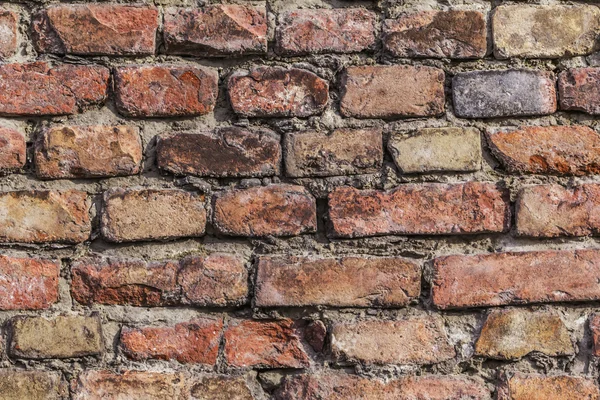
(437, 34)
(553, 211)
(165, 90)
(88, 152)
(316, 31)
(221, 388)
(60, 216)
(107, 385)
(392, 91)
(9, 28)
(13, 149)
(110, 29)
(224, 152)
(277, 210)
(16, 384)
(58, 337)
(195, 342)
(215, 280)
(579, 90)
(556, 150)
(36, 89)
(594, 325)
(342, 282)
(134, 215)
(414, 340)
(269, 344)
(343, 152)
(437, 150)
(539, 387)
(216, 30)
(337, 386)
(544, 31)
(512, 334)
(473, 207)
(515, 278)
(125, 282)
(477, 94)
(277, 92)
(28, 283)
(315, 334)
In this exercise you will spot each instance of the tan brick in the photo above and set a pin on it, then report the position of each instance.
(539, 387)
(28, 283)
(9, 26)
(13, 149)
(221, 388)
(16, 384)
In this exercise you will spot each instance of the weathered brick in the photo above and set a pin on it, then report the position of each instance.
(39, 89)
(216, 30)
(343, 282)
(277, 92)
(544, 31)
(58, 337)
(133, 215)
(392, 91)
(515, 278)
(419, 209)
(221, 388)
(107, 385)
(315, 334)
(540, 387)
(594, 325)
(579, 90)
(60, 216)
(316, 31)
(343, 152)
(225, 152)
(414, 340)
(13, 149)
(278, 210)
(337, 386)
(125, 282)
(489, 94)
(9, 27)
(437, 149)
(16, 384)
(512, 334)
(270, 344)
(553, 210)
(28, 283)
(196, 342)
(556, 150)
(439, 34)
(95, 29)
(88, 152)
(165, 90)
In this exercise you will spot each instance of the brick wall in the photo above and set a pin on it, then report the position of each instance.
(300, 199)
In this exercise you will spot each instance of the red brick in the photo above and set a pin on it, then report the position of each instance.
(343, 282)
(216, 30)
(516, 278)
(165, 90)
(539, 387)
(9, 27)
(553, 211)
(187, 342)
(13, 149)
(341, 30)
(270, 344)
(39, 89)
(125, 282)
(95, 29)
(437, 34)
(28, 283)
(419, 209)
(579, 90)
(105, 385)
(20, 384)
(226, 152)
(278, 210)
(60, 216)
(392, 91)
(88, 152)
(277, 92)
(415, 340)
(594, 325)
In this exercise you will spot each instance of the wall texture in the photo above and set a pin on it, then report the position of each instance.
(300, 199)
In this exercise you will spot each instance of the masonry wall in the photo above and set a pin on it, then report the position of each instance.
(308, 199)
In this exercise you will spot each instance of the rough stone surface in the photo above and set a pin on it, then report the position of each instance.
(472, 207)
(437, 149)
(17, 384)
(594, 325)
(579, 90)
(13, 149)
(103, 385)
(344, 282)
(9, 27)
(221, 388)
(512, 93)
(437, 34)
(392, 91)
(28, 283)
(539, 387)
(216, 30)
